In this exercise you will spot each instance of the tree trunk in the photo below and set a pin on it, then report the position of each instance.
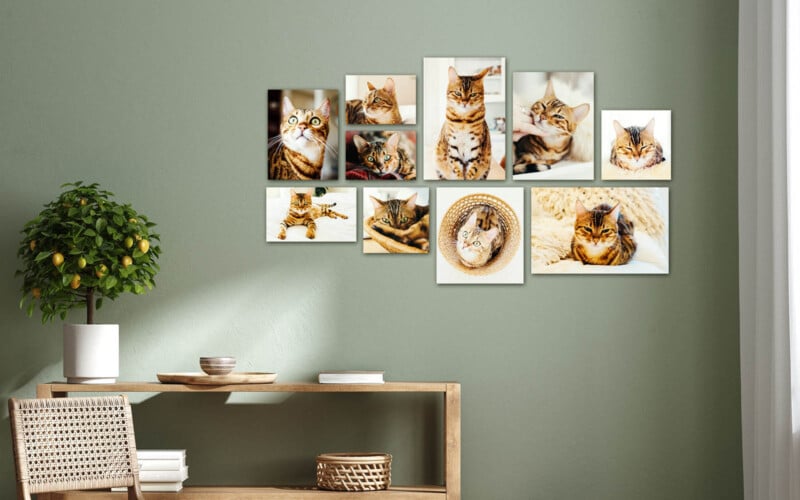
(90, 306)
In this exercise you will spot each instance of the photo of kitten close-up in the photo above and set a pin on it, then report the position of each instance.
(636, 145)
(553, 126)
(381, 155)
(311, 214)
(302, 135)
(380, 99)
(600, 230)
(396, 220)
(464, 118)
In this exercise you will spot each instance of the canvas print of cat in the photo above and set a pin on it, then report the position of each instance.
(381, 155)
(479, 236)
(302, 135)
(396, 220)
(311, 214)
(464, 118)
(552, 127)
(636, 145)
(600, 230)
(380, 99)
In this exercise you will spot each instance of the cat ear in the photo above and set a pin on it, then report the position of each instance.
(370, 86)
(411, 202)
(473, 218)
(492, 233)
(651, 125)
(483, 73)
(614, 213)
(360, 143)
(288, 107)
(580, 112)
(292, 192)
(376, 203)
(451, 73)
(548, 92)
(392, 142)
(619, 129)
(389, 86)
(579, 208)
(325, 108)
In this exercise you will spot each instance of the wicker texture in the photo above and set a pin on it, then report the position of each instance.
(354, 471)
(67, 444)
(390, 244)
(457, 215)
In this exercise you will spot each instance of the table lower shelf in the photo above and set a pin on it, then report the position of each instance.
(265, 493)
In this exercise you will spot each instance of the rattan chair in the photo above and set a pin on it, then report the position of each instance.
(65, 444)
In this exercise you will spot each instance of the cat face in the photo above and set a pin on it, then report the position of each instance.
(553, 117)
(398, 214)
(474, 245)
(379, 156)
(465, 93)
(300, 203)
(636, 147)
(381, 103)
(596, 229)
(305, 130)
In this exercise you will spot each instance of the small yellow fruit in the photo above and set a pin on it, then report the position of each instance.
(101, 271)
(126, 261)
(128, 242)
(58, 259)
(133, 221)
(76, 281)
(33, 245)
(81, 263)
(83, 202)
(144, 246)
(137, 237)
(36, 292)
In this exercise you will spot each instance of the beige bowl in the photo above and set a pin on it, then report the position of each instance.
(218, 365)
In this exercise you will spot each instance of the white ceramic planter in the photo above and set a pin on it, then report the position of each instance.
(91, 354)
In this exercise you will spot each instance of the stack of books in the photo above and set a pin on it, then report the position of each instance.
(350, 377)
(161, 470)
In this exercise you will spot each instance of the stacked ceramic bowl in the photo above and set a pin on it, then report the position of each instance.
(218, 365)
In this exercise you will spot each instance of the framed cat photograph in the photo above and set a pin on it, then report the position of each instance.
(553, 126)
(396, 220)
(380, 99)
(302, 135)
(636, 145)
(621, 230)
(479, 236)
(311, 214)
(465, 118)
(386, 155)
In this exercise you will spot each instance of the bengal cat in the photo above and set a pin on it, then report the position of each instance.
(635, 148)
(299, 151)
(302, 212)
(384, 155)
(378, 107)
(480, 238)
(402, 220)
(603, 236)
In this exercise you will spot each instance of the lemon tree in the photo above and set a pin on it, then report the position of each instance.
(79, 250)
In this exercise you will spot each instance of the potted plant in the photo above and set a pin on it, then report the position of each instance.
(84, 247)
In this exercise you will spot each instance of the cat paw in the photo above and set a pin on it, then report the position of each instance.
(311, 235)
(281, 236)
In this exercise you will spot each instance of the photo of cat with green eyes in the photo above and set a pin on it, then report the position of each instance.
(380, 99)
(553, 126)
(381, 155)
(464, 132)
(396, 220)
(636, 145)
(311, 214)
(478, 239)
(302, 135)
(600, 230)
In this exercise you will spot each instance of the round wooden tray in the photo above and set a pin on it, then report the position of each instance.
(204, 379)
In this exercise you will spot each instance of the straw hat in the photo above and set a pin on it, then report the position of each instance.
(457, 215)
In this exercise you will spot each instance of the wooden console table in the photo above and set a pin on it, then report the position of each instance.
(450, 490)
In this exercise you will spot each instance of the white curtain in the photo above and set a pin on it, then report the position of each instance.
(769, 446)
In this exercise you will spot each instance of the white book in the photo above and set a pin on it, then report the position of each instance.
(161, 464)
(161, 476)
(165, 486)
(160, 454)
(350, 377)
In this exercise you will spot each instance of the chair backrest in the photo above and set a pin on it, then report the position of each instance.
(64, 444)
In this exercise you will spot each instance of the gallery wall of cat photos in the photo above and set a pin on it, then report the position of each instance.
(483, 141)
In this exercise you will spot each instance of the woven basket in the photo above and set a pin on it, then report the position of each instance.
(354, 471)
(391, 245)
(457, 215)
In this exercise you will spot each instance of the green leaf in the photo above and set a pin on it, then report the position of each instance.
(98, 240)
(98, 303)
(110, 282)
(31, 307)
(90, 232)
(118, 219)
(41, 256)
(100, 224)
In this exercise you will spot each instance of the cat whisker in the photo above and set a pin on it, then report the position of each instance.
(274, 140)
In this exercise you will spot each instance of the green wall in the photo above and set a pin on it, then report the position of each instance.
(573, 387)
